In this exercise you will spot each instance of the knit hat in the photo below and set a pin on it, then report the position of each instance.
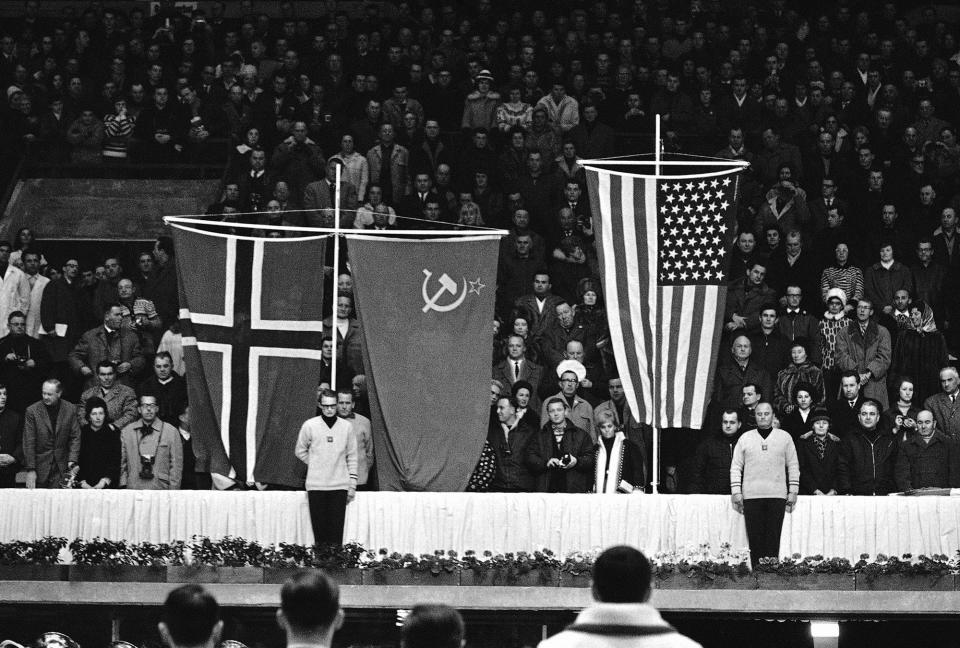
(838, 293)
(820, 414)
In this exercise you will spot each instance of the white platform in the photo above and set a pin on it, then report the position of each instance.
(423, 522)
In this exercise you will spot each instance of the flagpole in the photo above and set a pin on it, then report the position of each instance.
(336, 282)
(655, 477)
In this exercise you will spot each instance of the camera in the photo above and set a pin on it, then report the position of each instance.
(146, 467)
(566, 459)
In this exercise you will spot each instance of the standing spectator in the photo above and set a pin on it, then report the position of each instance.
(770, 347)
(819, 455)
(868, 455)
(735, 372)
(764, 482)
(514, 112)
(328, 445)
(517, 367)
(797, 421)
(24, 363)
(620, 462)
(297, 159)
(580, 412)
(946, 404)
(14, 288)
(120, 400)
(746, 298)
(356, 171)
(800, 371)
(99, 448)
(361, 427)
(509, 437)
(157, 131)
(85, 134)
(389, 166)
(711, 463)
(162, 286)
(563, 111)
(320, 196)
(109, 341)
(796, 322)
(592, 138)
(865, 347)
(168, 387)
(151, 452)
(118, 129)
(11, 442)
(901, 418)
(927, 459)
(883, 279)
(51, 438)
(561, 455)
(919, 351)
(37, 283)
(480, 106)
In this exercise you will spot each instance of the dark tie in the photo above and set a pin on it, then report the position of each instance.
(516, 370)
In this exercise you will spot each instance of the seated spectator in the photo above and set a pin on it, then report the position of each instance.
(868, 455)
(11, 442)
(99, 447)
(901, 417)
(620, 461)
(349, 334)
(711, 464)
(928, 459)
(355, 168)
(321, 195)
(819, 454)
(561, 455)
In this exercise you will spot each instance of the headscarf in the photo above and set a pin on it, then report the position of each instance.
(927, 324)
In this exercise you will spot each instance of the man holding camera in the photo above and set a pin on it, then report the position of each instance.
(151, 456)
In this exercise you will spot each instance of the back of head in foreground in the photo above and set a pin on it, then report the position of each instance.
(432, 625)
(621, 574)
(191, 618)
(310, 609)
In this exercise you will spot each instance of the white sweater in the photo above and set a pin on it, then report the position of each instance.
(330, 454)
(765, 468)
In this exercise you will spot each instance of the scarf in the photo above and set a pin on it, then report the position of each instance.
(604, 480)
(820, 443)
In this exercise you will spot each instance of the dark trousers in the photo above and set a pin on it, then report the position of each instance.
(764, 520)
(327, 511)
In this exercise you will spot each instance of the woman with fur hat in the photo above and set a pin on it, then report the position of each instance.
(833, 321)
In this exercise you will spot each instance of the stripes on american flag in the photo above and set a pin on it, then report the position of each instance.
(663, 258)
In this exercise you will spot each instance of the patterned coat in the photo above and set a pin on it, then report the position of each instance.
(829, 328)
(869, 351)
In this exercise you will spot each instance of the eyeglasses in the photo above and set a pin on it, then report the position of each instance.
(327, 405)
(569, 380)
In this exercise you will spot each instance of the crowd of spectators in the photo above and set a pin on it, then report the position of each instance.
(439, 114)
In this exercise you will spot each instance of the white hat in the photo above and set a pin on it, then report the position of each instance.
(484, 74)
(838, 293)
(574, 366)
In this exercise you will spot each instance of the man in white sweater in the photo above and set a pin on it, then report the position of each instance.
(764, 482)
(328, 445)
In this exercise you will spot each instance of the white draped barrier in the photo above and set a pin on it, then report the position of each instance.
(423, 522)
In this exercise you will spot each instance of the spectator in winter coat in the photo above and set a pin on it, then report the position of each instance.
(711, 465)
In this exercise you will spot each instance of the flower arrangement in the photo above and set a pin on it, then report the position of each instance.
(436, 563)
(512, 566)
(325, 556)
(102, 552)
(43, 551)
(227, 552)
(906, 565)
(796, 565)
(701, 563)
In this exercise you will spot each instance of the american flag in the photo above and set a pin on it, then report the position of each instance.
(663, 247)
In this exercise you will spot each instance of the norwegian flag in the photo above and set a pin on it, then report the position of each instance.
(663, 244)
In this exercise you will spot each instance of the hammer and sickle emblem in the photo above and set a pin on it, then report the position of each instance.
(447, 285)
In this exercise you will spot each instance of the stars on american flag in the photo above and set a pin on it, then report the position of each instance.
(693, 230)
